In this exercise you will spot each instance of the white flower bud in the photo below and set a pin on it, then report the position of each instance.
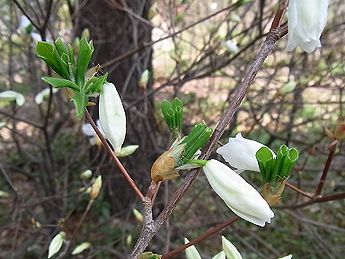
(41, 96)
(112, 116)
(87, 174)
(80, 248)
(220, 255)
(306, 21)
(12, 96)
(191, 252)
(240, 152)
(56, 244)
(230, 250)
(238, 195)
(96, 187)
(127, 150)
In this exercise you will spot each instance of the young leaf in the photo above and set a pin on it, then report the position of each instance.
(61, 47)
(80, 101)
(59, 83)
(45, 51)
(83, 60)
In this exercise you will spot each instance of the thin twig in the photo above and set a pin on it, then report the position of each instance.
(332, 148)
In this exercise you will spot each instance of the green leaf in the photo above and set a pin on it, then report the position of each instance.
(60, 82)
(61, 47)
(83, 60)
(45, 51)
(80, 101)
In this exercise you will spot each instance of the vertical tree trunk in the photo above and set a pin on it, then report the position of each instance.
(118, 27)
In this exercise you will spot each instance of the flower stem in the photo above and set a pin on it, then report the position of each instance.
(114, 158)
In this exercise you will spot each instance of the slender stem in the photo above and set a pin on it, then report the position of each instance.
(81, 220)
(200, 238)
(332, 148)
(292, 187)
(333, 197)
(123, 170)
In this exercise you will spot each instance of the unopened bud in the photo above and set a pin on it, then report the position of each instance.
(138, 216)
(164, 168)
(272, 193)
(340, 131)
(86, 174)
(96, 187)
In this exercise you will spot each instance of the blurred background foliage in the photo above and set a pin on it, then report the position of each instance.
(208, 47)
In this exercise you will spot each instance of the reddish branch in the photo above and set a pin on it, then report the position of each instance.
(115, 159)
(332, 148)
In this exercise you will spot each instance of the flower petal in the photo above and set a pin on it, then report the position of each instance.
(191, 252)
(112, 116)
(239, 195)
(240, 152)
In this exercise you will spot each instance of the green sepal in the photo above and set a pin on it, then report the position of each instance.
(60, 83)
(289, 162)
(263, 156)
(195, 140)
(279, 164)
(173, 115)
(80, 101)
(84, 57)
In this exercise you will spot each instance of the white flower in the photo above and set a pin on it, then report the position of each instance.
(41, 96)
(56, 244)
(306, 21)
(286, 257)
(231, 46)
(238, 195)
(240, 152)
(230, 250)
(12, 96)
(112, 116)
(191, 252)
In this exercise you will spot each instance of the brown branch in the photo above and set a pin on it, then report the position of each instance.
(333, 197)
(239, 95)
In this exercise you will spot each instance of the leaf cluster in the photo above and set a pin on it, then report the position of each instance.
(71, 66)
